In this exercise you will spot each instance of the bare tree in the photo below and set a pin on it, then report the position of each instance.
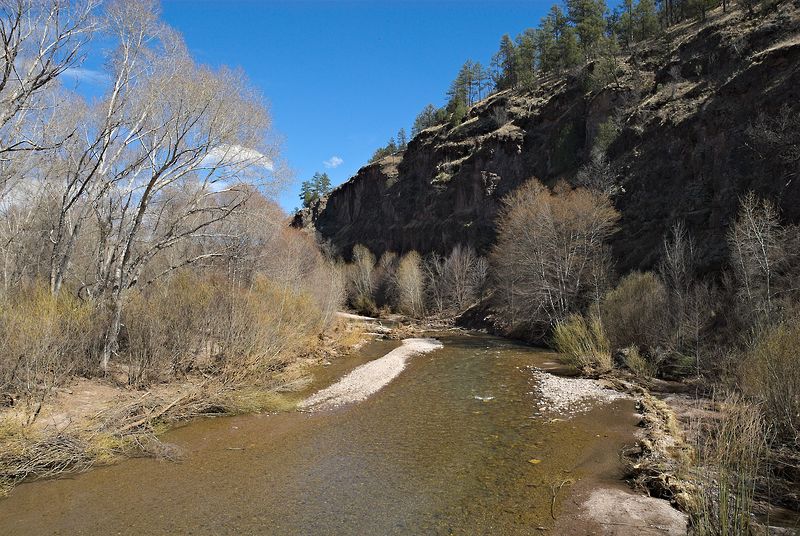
(40, 40)
(455, 282)
(360, 279)
(777, 138)
(436, 290)
(677, 271)
(464, 276)
(756, 240)
(598, 175)
(549, 251)
(409, 285)
(198, 151)
(107, 131)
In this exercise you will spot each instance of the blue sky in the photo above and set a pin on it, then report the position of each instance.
(341, 77)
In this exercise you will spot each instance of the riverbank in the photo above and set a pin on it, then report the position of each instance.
(452, 445)
(370, 377)
(95, 422)
(587, 498)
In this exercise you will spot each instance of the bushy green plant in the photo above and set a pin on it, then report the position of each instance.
(583, 343)
(638, 364)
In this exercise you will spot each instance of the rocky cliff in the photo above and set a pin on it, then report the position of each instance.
(679, 126)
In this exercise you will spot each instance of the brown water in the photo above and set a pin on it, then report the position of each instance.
(422, 456)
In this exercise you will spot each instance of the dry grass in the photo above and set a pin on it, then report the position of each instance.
(769, 373)
(44, 339)
(583, 344)
(730, 460)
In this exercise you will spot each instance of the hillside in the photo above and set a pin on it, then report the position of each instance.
(677, 127)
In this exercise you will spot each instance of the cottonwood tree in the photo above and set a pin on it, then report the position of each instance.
(756, 240)
(690, 301)
(409, 283)
(677, 271)
(196, 151)
(360, 279)
(464, 276)
(107, 130)
(40, 40)
(776, 138)
(551, 253)
(598, 175)
(456, 281)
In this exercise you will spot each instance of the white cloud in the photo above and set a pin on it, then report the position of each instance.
(236, 155)
(333, 162)
(89, 76)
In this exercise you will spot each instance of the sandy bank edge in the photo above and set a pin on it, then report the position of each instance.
(369, 378)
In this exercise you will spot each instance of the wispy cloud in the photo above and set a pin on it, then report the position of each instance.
(333, 162)
(235, 156)
(89, 76)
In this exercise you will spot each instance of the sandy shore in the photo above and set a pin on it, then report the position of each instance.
(598, 504)
(369, 378)
(569, 396)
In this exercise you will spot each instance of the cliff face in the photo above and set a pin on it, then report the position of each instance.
(685, 142)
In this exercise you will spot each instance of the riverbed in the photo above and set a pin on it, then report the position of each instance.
(456, 444)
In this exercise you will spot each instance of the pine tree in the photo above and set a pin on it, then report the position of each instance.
(546, 45)
(623, 23)
(645, 16)
(504, 65)
(588, 18)
(525, 59)
(569, 53)
(402, 140)
(307, 193)
(425, 119)
(458, 92)
(315, 189)
(323, 184)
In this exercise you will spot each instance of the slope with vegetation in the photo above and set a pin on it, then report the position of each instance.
(677, 126)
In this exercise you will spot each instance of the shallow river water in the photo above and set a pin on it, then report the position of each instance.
(452, 446)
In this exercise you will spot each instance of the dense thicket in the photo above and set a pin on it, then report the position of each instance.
(432, 286)
(136, 234)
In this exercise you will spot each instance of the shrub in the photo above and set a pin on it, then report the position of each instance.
(583, 343)
(44, 339)
(637, 363)
(635, 312)
(168, 327)
(202, 321)
(770, 374)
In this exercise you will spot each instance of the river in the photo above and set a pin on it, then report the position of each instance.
(452, 446)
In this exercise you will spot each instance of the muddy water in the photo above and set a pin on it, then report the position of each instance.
(423, 456)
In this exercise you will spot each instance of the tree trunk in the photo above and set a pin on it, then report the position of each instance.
(111, 343)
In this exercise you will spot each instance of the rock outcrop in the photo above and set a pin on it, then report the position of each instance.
(679, 127)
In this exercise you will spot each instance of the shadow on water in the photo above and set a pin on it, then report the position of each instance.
(444, 449)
